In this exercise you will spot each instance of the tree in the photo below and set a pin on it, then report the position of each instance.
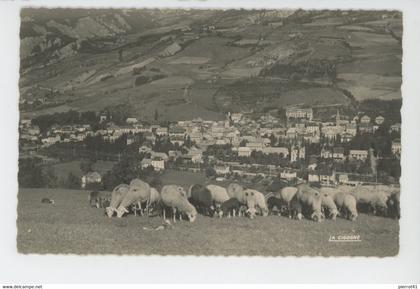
(243, 143)
(210, 172)
(124, 171)
(50, 179)
(273, 140)
(188, 142)
(72, 181)
(156, 115)
(30, 173)
(86, 165)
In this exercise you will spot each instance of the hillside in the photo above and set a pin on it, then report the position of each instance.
(187, 63)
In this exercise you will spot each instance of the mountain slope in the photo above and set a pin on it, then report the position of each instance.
(205, 61)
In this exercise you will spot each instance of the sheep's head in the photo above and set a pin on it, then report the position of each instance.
(353, 217)
(334, 213)
(192, 216)
(251, 212)
(121, 211)
(109, 211)
(317, 216)
(299, 216)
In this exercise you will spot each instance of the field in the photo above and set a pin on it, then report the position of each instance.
(70, 226)
(62, 170)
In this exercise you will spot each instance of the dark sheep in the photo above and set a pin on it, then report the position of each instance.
(201, 198)
(47, 201)
(104, 202)
(94, 199)
(295, 208)
(230, 207)
(279, 204)
(393, 204)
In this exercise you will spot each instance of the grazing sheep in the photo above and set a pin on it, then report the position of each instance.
(104, 202)
(218, 193)
(295, 208)
(202, 199)
(259, 201)
(329, 191)
(94, 199)
(251, 202)
(117, 195)
(393, 204)
(149, 205)
(154, 198)
(328, 206)
(47, 201)
(370, 200)
(280, 205)
(388, 190)
(287, 193)
(347, 205)
(310, 200)
(138, 193)
(246, 197)
(230, 207)
(175, 197)
(235, 190)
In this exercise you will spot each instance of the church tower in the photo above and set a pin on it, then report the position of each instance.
(337, 118)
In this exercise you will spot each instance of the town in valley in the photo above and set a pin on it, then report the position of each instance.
(282, 144)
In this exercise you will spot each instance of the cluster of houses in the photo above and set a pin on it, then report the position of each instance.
(241, 131)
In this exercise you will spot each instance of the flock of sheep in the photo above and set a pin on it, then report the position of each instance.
(302, 201)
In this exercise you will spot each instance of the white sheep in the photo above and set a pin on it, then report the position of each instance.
(175, 197)
(218, 194)
(260, 201)
(139, 192)
(287, 194)
(346, 203)
(117, 195)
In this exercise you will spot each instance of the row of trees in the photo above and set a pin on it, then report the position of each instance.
(33, 174)
(46, 121)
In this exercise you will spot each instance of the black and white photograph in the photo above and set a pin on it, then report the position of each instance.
(215, 132)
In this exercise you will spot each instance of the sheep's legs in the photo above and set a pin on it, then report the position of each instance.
(174, 214)
(148, 207)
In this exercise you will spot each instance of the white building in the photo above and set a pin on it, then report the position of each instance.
(244, 151)
(379, 119)
(158, 164)
(365, 119)
(131, 120)
(358, 154)
(222, 170)
(396, 147)
(288, 174)
(297, 153)
(161, 131)
(276, 150)
(91, 178)
(295, 112)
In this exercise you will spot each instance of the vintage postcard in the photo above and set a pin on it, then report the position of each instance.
(209, 132)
